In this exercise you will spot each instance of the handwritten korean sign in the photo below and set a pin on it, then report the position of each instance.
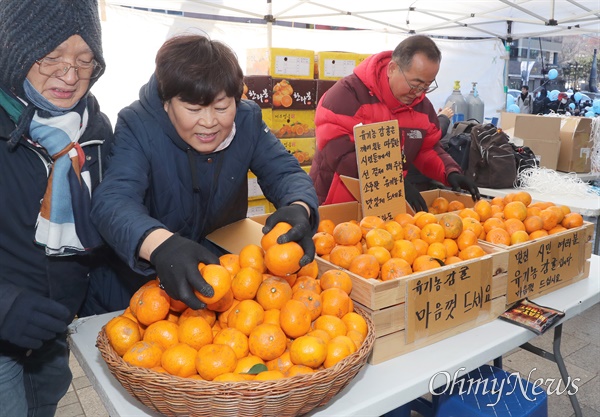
(540, 265)
(379, 158)
(447, 297)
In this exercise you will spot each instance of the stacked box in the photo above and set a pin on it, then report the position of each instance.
(303, 149)
(280, 62)
(336, 65)
(259, 207)
(293, 93)
(322, 87)
(259, 88)
(293, 124)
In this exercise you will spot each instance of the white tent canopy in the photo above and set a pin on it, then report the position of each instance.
(131, 37)
(458, 18)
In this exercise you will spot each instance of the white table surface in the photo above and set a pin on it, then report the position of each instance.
(376, 389)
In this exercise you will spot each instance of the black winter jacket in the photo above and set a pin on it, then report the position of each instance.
(155, 180)
(23, 179)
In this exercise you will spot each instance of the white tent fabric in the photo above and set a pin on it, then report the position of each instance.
(132, 37)
(464, 18)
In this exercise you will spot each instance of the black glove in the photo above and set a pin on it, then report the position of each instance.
(458, 181)
(301, 231)
(414, 198)
(33, 319)
(176, 261)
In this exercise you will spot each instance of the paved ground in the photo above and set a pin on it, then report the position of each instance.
(580, 349)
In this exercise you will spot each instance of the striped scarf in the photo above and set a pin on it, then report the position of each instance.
(63, 225)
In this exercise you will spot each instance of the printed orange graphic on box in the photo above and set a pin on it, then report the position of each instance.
(293, 123)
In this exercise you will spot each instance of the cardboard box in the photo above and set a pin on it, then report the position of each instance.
(254, 190)
(303, 149)
(259, 88)
(281, 62)
(256, 207)
(294, 93)
(322, 87)
(293, 123)
(575, 144)
(336, 65)
(267, 116)
(540, 133)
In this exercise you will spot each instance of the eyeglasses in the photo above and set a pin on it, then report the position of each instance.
(51, 67)
(419, 89)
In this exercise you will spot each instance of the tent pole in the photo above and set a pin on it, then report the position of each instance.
(269, 19)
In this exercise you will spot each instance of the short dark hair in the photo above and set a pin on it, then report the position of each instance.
(526, 87)
(196, 69)
(406, 50)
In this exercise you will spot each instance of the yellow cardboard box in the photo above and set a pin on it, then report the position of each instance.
(293, 123)
(334, 65)
(281, 62)
(302, 148)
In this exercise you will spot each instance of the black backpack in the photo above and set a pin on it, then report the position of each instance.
(492, 162)
(459, 143)
(525, 158)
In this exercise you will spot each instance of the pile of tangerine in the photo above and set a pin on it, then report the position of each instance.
(257, 326)
(447, 234)
(515, 219)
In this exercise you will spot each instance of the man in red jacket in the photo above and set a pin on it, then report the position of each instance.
(386, 86)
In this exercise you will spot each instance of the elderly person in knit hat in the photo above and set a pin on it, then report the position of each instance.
(54, 137)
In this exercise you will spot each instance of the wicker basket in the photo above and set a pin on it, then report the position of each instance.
(175, 396)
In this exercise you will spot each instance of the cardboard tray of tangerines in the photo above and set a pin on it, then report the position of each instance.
(273, 340)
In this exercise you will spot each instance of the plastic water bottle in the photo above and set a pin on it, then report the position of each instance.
(457, 102)
(475, 105)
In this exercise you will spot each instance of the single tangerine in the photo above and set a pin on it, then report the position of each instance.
(295, 318)
(273, 292)
(310, 269)
(144, 354)
(269, 239)
(179, 360)
(342, 255)
(440, 204)
(122, 333)
(253, 256)
(365, 265)
(336, 302)
(381, 254)
(395, 268)
(369, 223)
(452, 225)
(311, 300)
(347, 233)
(324, 243)
(326, 225)
(380, 237)
(498, 236)
(572, 220)
(455, 205)
(471, 252)
(246, 316)
(308, 351)
(284, 259)
(267, 341)
(213, 360)
(515, 210)
(433, 232)
(425, 263)
(163, 332)
(336, 278)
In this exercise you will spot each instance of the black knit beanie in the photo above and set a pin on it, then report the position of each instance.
(30, 29)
